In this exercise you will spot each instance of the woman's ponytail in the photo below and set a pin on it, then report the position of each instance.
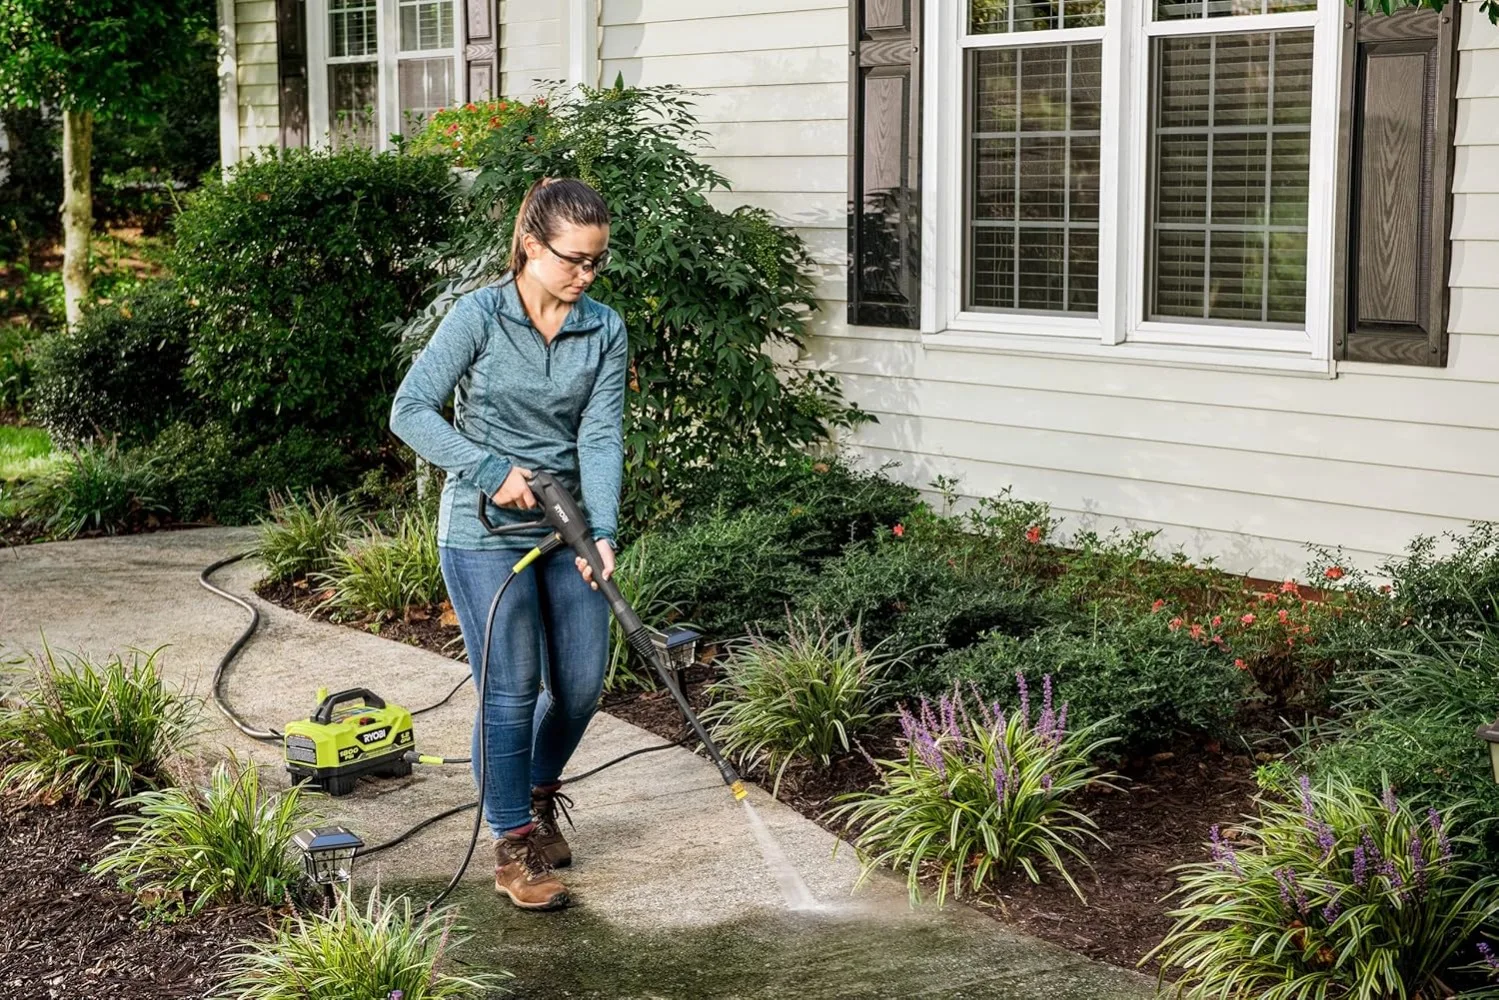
(550, 203)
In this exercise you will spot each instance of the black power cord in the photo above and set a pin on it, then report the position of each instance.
(271, 735)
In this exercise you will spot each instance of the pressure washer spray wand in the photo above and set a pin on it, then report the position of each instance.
(561, 512)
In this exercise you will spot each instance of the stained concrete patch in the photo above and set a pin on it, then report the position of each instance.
(673, 897)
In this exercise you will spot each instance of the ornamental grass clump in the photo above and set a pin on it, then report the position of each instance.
(1335, 892)
(978, 794)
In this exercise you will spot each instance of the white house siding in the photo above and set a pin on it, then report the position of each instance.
(258, 87)
(531, 46)
(1244, 466)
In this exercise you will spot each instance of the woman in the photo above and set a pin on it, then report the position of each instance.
(537, 370)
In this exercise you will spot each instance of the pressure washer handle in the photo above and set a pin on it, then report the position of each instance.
(324, 712)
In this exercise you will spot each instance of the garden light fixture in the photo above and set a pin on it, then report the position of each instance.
(678, 647)
(328, 855)
(1489, 733)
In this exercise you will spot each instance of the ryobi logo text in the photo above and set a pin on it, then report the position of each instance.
(561, 514)
(374, 735)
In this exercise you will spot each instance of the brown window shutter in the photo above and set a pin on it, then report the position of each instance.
(482, 52)
(291, 70)
(1395, 190)
(884, 155)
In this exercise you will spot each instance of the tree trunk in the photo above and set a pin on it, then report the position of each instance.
(77, 207)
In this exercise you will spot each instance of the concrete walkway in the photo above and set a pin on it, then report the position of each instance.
(673, 899)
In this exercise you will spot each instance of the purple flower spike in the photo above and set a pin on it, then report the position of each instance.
(1325, 840)
(1307, 808)
(1390, 802)
(949, 717)
(1434, 819)
(1025, 698)
(1487, 954)
(1360, 866)
(1061, 725)
(1046, 782)
(999, 784)
(907, 724)
(1418, 861)
(1331, 910)
(1291, 892)
(1223, 852)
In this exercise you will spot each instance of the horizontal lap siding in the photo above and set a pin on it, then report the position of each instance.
(258, 78)
(1246, 467)
(530, 45)
(774, 92)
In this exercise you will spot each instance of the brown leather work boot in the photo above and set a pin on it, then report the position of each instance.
(521, 872)
(546, 801)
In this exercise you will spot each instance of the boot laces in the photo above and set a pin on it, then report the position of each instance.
(548, 804)
(535, 861)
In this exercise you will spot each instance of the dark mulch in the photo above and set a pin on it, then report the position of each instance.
(433, 627)
(19, 531)
(70, 936)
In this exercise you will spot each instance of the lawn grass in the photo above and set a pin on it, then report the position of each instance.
(24, 452)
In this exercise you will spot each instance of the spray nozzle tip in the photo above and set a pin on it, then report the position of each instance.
(740, 792)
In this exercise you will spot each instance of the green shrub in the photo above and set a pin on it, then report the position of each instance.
(702, 292)
(185, 849)
(924, 594)
(299, 261)
(727, 570)
(96, 488)
(798, 699)
(300, 535)
(645, 590)
(356, 953)
(117, 373)
(17, 347)
(1342, 894)
(207, 472)
(1452, 592)
(1126, 566)
(1151, 684)
(828, 502)
(977, 794)
(385, 574)
(1410, 722)
(82, 730)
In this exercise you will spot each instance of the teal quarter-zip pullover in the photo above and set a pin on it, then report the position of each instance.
(518, 400)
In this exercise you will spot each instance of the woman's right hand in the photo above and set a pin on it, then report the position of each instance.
(515, 491)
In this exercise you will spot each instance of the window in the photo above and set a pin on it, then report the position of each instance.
(1152, 175)
(388, 64)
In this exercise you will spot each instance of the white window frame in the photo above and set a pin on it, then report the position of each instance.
(388, 37)
(1120, 329)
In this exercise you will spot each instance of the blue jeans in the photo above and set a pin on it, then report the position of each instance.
(547, 658)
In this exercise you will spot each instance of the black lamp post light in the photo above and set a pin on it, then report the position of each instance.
(328, 856)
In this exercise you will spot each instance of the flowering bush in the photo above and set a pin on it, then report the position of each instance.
(977, 794)
(798, 699)
(1273, 635)
(459, 132)
(1343, 893)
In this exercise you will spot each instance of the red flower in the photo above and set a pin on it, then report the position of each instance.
(494, 120)
(898, 530)
(1288, 586)
(1284, 616)
(452, 128)
(1174, 624)
(1160, 602)
(1217, 620)
(441, 110)
(541, 102)
(470, 107)
(1218, 640)
(1333, 573)
(1195, 631)
(1385, 588)
(1241, 664)
(1033, 534)
(1248, 619)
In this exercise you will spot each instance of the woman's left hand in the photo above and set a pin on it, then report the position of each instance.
(606, 555)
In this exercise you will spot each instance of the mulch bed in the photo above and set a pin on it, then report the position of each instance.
(68, 935)
(19, 531)
(1160, 822)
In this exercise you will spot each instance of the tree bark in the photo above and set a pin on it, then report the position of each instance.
(77, 208)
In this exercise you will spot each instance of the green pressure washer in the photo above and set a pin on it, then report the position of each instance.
(352, 733)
